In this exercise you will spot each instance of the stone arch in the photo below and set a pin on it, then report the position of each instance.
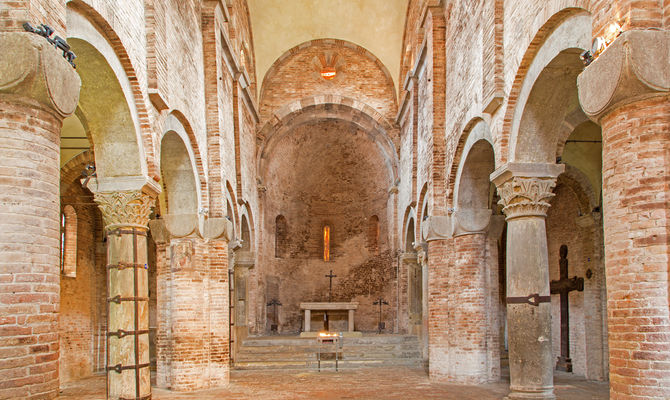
(247, 233)
(569, 27)
(331, 107)
(306, 47)
(472, 195)
(232, 203)
(179, 179)
(177, 122)
(88, 29)
(409, 231)
(475, 130)
(420, 211)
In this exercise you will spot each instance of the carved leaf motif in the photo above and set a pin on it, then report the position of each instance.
(125, 208)
(522, 196)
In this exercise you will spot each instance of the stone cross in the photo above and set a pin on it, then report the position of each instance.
(330, 293)
(564, 286)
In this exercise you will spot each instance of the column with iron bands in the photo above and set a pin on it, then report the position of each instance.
(525, 191)
(126, 214)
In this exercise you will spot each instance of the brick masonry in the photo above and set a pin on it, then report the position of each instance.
(456, 58)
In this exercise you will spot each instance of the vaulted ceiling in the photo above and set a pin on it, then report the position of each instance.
(376, 25)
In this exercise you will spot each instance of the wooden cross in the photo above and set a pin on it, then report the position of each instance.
(564, 286)
(330, 293)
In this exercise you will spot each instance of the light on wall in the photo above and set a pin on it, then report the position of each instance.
(328, 73)
(600, 43)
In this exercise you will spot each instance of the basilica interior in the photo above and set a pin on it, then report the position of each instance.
(258, 198)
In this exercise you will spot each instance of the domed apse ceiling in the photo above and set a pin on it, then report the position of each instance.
(278, 26)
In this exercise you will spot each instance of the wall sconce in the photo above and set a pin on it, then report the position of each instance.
(600, 43)
(328, 73)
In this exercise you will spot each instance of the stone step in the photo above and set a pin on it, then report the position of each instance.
(326, 364)
(313, 355)
(278, 352)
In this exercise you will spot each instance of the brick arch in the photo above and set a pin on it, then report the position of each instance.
(334, 107)
(272, 71)
(418, 222)
(246, 213)
(139, 98)
(558, 11)
(408, 216)
(284, 80)
(192, 145)
(579, 183)
(72, 170)
(459, 158)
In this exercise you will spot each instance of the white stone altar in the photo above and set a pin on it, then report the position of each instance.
(327, 306)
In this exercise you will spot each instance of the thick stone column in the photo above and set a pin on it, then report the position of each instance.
(525, 190)
(125, 207)
(626, 90)
(38, 88)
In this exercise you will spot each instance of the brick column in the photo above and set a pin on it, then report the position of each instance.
(192, 296)
(626, 91)
(38, 88)
(125, 212)
(436, 231)
(525, 190)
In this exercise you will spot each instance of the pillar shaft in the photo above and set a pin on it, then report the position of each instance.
(525, 190)
(30, 123)
(126, 214)
(633, 111)
(470, 310)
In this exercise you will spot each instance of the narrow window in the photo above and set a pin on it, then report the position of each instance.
(326, 243)
(69, 242)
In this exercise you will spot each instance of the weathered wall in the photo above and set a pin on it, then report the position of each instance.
(314, 178)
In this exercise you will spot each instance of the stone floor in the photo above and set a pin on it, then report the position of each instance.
(372, 383)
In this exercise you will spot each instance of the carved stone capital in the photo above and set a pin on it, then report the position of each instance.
(32, 68)
(437, 227)
(525, 189)
(125, 209)
(634, 66)
(124, 201)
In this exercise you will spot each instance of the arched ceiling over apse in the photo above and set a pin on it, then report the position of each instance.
(278, 26)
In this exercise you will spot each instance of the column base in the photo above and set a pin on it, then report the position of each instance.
(528, 393)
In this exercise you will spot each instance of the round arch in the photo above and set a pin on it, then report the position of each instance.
(103, 59)
(567, 28)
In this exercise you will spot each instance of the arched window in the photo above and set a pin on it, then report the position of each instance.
(326, 243)
(281, 237)
(68, 249)
(373, 234)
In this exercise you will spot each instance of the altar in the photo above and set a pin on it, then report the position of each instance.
(350, 307)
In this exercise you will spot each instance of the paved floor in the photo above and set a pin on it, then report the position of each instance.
(370, 384)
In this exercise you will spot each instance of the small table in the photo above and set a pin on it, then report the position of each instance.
(330, 338)
(326, 306)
